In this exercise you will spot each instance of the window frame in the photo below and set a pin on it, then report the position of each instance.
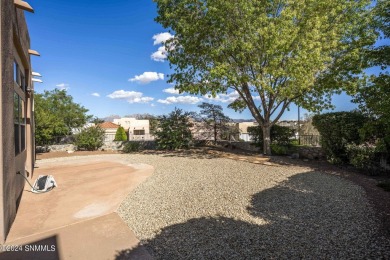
(139, 132)
(19, 110)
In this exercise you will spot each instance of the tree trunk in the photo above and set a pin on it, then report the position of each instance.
(215, 132)
(266, 139)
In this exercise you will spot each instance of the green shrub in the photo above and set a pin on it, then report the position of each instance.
(363, 156)
(90, 139)
(279, 149)
(337, 131)
(131, 147)
(174, 131)
(280, 135)
(120, 134)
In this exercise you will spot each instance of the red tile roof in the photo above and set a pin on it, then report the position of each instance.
(106, 125)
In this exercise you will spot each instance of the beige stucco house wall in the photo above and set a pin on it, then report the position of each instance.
(16, 116)
(136, 129)
(243, 129)
(109, 131)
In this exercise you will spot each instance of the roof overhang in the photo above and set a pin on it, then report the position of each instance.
(23, 5)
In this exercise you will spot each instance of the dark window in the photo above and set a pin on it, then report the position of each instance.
(22, 137)
(23, 82)
(16, 108)
(139, 132)
(19, 124)
(19, 108)
(17, 144)
(16, 73)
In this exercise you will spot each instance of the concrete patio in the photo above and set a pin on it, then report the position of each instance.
(78, 219)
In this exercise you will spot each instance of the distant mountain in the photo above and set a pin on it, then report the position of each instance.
(141, 116)
(111, 118)
(243, 120)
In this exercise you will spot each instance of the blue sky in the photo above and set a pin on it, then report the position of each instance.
(100, 51)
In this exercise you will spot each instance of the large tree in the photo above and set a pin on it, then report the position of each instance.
(272, 53)
(56, 114)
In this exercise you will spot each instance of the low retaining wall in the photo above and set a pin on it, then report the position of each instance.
(247, 146)
(112, 146)
(55, 148)
(308, 152)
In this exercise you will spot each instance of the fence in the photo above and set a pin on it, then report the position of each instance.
(310, 140)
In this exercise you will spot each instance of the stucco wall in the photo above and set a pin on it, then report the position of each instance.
(13, 32)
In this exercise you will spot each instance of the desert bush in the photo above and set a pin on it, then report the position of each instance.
(280, 135)
(90, 139)
(174, 131)
(337, 130)
(363, 156)
(136, 146)
(279, 149)
(131, 147)
(367, 155)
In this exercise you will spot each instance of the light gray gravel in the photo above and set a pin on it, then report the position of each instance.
(225, 209)
(195, 208)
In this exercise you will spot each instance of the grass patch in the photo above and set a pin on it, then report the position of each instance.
(384, 185)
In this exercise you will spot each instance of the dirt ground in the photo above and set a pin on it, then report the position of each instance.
(379, 198)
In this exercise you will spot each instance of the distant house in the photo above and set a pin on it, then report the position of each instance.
(199, 131)
(110, 131)
(243, 129)
(17, 151)
(136, 129)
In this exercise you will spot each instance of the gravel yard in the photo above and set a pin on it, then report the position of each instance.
(199, 208)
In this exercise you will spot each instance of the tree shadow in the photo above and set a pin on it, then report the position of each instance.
(307, 216)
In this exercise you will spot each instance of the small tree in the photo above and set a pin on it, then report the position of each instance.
(120, 134)
(214, 118)
(174, 131)
(90, 139)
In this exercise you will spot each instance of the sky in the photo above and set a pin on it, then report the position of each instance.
(108, 55)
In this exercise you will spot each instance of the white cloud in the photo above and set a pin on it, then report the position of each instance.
(63, 86)
(147, 77)
(130, 96)
(95, 94)
(161, 38)
(224, 98)
(159, 55)
(171, 91)
(180, 100)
